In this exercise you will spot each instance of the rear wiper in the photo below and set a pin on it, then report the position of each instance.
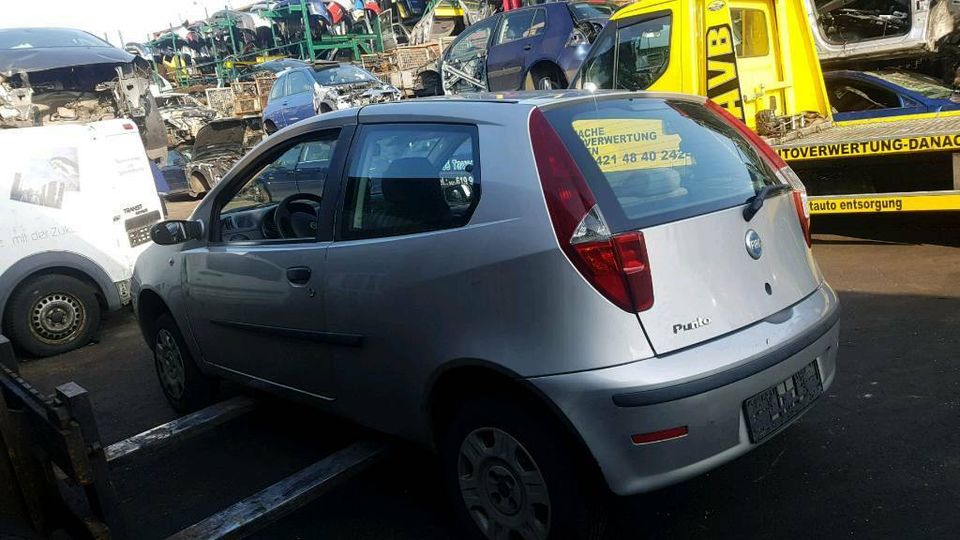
(755, 203)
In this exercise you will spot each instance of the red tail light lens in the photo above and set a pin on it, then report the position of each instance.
(632, 251)
(615, 265)
(774, 160)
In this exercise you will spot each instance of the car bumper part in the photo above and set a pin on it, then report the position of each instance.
(701, 388)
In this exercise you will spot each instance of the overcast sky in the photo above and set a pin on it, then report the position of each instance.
(134, 18)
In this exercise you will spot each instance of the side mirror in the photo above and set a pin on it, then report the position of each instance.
(175, 231)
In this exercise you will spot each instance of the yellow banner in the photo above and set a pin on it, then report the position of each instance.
(884, 203)
(628, 144)
(900, 145)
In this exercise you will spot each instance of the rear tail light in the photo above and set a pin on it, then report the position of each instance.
(776, 162)
(616, 265)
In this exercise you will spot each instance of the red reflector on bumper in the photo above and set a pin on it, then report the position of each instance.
(659, 436)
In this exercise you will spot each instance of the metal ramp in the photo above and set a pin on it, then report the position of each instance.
(53, 442)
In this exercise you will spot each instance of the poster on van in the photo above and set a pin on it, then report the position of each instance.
(46, 176)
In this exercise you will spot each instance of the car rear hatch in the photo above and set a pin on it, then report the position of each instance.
(666, 184)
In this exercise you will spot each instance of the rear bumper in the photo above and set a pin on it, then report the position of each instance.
(702, 388)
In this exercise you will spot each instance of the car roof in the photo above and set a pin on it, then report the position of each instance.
(539, 98)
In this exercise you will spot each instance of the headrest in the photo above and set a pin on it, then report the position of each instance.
(412, 184)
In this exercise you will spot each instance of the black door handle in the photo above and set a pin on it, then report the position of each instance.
(298, 275)
(527, 47)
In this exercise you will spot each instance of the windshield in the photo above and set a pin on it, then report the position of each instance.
(342, 75)
(39, 38)
(585, 10)
(915, 82)
(651, 161)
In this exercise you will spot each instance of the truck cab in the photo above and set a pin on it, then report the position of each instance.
(758, 60)
(747, 55)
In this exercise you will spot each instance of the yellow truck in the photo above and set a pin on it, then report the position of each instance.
(758, 60)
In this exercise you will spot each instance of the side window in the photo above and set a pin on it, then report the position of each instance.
(410, 178)
(539, 24)
(750, 32)
(473, 40)
(316, 155)
(277, 91)
(255, 202)
(515, 26)
(643, 51)
(598, 68)
(850, 96)
(298, 82)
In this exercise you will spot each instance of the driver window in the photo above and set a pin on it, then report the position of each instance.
(301, 170)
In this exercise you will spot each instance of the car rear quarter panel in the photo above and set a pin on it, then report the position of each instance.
(497, 291)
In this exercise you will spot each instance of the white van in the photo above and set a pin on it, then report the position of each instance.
(76, 205)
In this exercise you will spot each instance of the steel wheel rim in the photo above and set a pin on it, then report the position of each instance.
(546, 83)
(57, 318)
(502, 487)
(169, 364)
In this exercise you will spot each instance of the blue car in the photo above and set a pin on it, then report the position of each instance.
(306, 91)
(538, 47)
(855, 95)
(172, 178)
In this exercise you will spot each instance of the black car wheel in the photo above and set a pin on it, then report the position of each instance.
(185, 386)
(512, 473)
(52, 314)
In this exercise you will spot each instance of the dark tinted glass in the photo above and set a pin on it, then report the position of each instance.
(405, 179)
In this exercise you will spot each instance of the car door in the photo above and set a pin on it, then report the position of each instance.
(313, 165)
(406, 188)
(758, 56)
(464, 63)
(279, 179)
(517, 39)
(299, 100)
(276, 102)
(255, 301)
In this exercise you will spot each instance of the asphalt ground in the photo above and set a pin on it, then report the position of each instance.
(878, 456)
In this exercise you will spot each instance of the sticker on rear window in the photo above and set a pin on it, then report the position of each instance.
(629, 144)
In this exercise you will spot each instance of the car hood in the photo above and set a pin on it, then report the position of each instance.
(41, 59)
(219, 136)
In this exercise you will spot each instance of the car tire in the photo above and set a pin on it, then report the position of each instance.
(494, 442)
(269, 128)
(185, 386)
(543, 80)
(52, 314)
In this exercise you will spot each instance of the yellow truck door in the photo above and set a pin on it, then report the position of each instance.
(758, 57)
(739, 53)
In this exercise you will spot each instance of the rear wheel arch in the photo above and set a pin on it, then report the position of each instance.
(455, 386)
(545, 68)
(198, 183)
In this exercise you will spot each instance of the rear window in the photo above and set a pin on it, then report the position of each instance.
(651, 161)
